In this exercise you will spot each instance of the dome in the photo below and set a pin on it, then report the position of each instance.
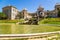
(40, 8)
(24, 9)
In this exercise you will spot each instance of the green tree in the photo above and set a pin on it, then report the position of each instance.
(58, 13)
(2, 16)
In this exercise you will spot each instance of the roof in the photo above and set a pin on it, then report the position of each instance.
(9, 6)
(57, 3)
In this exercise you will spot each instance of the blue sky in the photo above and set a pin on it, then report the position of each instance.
(31, 5)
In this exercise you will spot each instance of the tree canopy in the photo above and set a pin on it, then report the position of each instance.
(2, 16)
(58, 13)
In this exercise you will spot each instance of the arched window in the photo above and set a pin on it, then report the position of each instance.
(57, 8)
(41, 13)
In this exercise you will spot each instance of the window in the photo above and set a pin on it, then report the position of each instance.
(38, 11)
(57, 8)
(41, 13)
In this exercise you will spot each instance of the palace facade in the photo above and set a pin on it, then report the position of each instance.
(13, 13)
(10, 12)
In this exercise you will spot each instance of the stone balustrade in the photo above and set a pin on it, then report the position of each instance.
(33, 36)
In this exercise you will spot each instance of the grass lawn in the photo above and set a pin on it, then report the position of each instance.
(25, 29)
(11, 21)
(50, 21)
(22, 29)
(45, 25)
